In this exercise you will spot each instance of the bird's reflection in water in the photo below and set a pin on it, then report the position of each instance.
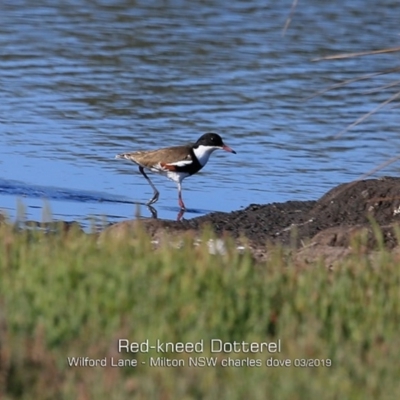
(154, 214)
(153, 211)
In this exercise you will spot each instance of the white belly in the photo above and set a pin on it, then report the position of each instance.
(172, 175)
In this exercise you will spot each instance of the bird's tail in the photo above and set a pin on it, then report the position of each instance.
(124, 155)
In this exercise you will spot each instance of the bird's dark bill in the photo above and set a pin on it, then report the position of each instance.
(227, 148)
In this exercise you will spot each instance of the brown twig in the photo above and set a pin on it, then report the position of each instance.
(375, 199)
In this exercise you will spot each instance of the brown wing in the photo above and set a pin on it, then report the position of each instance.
(168, 155)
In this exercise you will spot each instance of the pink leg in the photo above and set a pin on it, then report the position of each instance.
(180, 215)
(180, 201)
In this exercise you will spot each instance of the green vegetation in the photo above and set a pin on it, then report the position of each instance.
(69, 295)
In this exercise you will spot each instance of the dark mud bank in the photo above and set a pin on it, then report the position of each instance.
(330, 221)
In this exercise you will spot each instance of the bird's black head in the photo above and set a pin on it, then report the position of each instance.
(213, 140)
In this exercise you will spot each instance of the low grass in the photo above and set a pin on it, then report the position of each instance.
(72, 296)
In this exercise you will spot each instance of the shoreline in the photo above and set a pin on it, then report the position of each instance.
(324, 228)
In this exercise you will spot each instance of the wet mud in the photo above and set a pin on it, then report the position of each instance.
(324, 228)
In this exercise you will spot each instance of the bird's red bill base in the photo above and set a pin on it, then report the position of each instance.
(227, 148)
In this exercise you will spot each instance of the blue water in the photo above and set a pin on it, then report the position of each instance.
(85, 80)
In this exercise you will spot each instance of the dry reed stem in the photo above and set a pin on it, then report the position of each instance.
(358, 54)
(368, 114)
(357, 79)
(349, 81)
(379, 88)
(289, 18)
